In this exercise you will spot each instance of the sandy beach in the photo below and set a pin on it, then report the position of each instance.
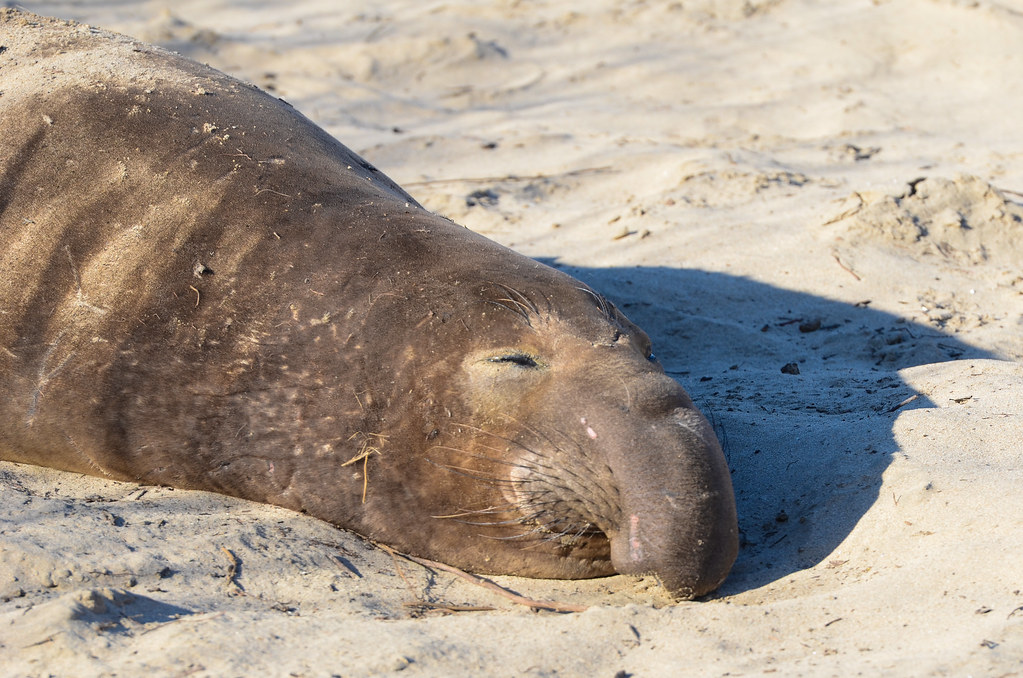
(814, 209)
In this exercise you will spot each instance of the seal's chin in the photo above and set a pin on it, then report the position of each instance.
(688, 562)
(683, 572)
(682, 581)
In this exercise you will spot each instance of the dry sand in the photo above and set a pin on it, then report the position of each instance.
(760, 183)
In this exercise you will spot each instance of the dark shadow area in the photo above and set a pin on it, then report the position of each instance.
(802, 392)
(145, 610)
(110, 607)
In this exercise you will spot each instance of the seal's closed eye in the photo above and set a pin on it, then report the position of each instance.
(519, 359)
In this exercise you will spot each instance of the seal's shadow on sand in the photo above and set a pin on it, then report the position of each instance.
(807, 449)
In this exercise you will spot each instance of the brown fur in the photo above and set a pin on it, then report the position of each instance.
(200, 288)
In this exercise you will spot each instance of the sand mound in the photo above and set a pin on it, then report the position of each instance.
(964, 220)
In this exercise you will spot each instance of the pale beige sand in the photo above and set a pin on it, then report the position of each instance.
(757, 183)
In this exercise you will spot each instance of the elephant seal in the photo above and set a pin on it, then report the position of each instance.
(200, 288)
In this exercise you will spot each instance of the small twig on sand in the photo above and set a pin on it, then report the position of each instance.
(847, 213)
(844, 267)
(232, 572)
(270, 190)
(903, 403)
(397, 567)
(425, 604)
(554, 606)
(445, 607)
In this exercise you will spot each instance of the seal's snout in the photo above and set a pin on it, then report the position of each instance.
(688, 565)
(678, 518)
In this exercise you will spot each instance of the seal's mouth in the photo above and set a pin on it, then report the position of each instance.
(662, 508)
(688, 567)
(563, 505)
(678, 525)
(564, 526)
(542, 505)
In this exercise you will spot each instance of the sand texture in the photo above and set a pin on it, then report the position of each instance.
(814, 209)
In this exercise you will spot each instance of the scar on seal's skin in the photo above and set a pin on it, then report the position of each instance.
(44, 377)
(99, 470)
(80, 301)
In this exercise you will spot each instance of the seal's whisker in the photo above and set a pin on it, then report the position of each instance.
(588, 528)
(520, 485)
(503, 462)
(533, 530)
(586, 481)
(534, 469)
(496, 460)
(555, 501)
(553, 536)
(520, 299)
(470, 473)
(539, 434)
(489, 510)
(514, 309)
(515, 521)
(514, 537)
(533, 464)
(562, 471)
(514, 302)
(510, 441)
(531, 534)
(605, 306)
(481, 523)
(561, 447)
(550, 477)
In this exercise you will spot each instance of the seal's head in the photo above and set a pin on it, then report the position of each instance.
(563, 448)
(599, 448)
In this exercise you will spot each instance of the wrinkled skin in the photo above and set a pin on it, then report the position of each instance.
(200, 288)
